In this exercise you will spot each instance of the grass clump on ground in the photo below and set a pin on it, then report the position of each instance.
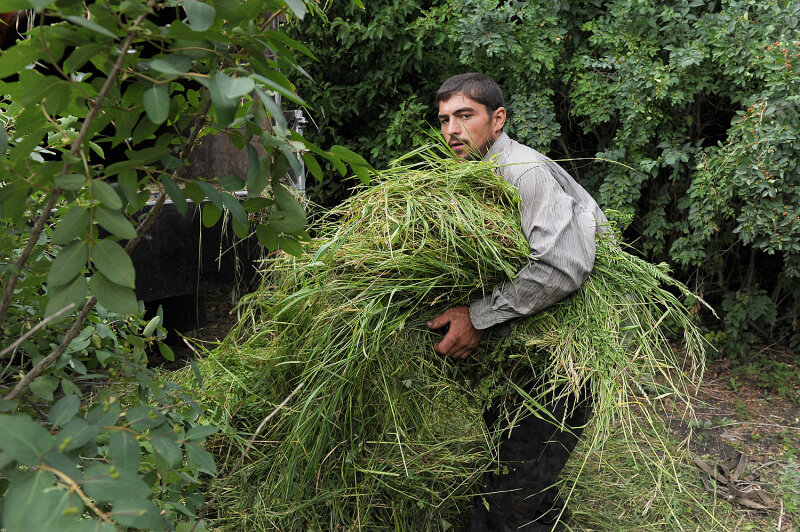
(383, 432)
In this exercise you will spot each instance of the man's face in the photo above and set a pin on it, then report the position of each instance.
(468, 127)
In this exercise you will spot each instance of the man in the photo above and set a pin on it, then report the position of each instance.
(560, 220)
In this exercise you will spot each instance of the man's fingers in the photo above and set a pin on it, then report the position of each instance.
(462, 353)
(438, 322)
(446, 346)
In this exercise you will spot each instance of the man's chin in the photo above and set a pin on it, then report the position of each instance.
(465, 153)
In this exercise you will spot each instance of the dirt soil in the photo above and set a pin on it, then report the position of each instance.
(738, 412)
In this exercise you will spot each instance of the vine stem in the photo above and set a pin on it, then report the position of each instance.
(87, 308)
(74, 487)
(74, 149)
(36, 327)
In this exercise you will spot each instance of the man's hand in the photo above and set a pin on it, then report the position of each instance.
(462, 338)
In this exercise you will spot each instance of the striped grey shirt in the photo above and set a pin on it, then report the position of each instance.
(559, 219)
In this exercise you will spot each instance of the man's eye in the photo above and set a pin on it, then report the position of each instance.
(465, 117)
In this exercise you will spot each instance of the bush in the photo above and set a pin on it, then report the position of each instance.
(697, 99)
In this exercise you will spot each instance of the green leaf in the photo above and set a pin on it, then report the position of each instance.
(76, 434)
(18, 57)
(175, 193)
(212, 193)
(232, 183)
(115, 222)
(235, 208)
(3, 141)
(34, 502)
(273, 108)
(133, 9)
(290, 245)
(44, 386)
(116, 298)
(112, 261)
(124, 450)
(103, 192)
(200, 14)
(349, 156)
(128, 183)
(6, 405)
(144, 417)
(267, 236)
(156, 103)
(64, 410)
(200, 459)
(256, 176)
(166, 351)
(278, 82)
(137, 513)
(11, 6)
(172, 64)
(200, 432)
(166, 447)
(313, 166)
(211, 214)
(91, 25)
(298, 7)
(81, 55)
(68, 264)
(290, 217)
(70, 182)
(23, 439)
(239, 229)
(288, 41)
(286, 222)
(72, 224)
(104, 414)
(108, 483)
(234, 88)
(151, 326)
(61, 296)
(224, 106)
(194, 192)
(257, 204)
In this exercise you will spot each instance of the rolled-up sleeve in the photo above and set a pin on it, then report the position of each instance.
(561, 234)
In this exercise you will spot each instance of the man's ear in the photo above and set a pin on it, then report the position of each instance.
(498, 120)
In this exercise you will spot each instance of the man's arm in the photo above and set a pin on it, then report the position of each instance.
(562, 248)
(561, 234)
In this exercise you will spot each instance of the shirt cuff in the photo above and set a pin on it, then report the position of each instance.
(480, 314)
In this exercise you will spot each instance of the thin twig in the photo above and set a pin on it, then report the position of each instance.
(57, 352)
(38, 326)
(74, 487)
(235, 467)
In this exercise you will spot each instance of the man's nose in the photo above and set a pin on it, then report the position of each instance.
(452, 127)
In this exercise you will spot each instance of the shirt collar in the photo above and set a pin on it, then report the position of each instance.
(499, 145)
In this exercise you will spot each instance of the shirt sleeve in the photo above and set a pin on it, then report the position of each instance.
(561, 234)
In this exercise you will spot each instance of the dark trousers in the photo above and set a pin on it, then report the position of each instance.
(522, 495)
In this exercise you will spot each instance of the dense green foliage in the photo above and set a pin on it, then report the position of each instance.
(101, 104)
(699, 99)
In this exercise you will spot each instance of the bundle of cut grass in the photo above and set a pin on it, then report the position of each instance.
(385, 432)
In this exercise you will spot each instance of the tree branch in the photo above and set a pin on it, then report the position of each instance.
(38, 326)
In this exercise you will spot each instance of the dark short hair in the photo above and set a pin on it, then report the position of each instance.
(473, 85)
